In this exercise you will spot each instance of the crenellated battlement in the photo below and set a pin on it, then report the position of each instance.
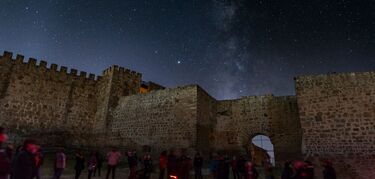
(121, 71)
(42, 66)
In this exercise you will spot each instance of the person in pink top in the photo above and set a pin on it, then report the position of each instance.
(113, 160)
(60, 163)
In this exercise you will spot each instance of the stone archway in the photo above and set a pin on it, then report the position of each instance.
(262, 150)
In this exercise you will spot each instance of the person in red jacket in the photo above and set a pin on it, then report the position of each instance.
(5, 168)
(163, 160)
(251, 172)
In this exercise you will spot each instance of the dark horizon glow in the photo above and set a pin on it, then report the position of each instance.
(231, 48)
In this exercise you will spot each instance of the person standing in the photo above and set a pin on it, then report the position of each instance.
(132, 161)
(39, 157)
(113, 160)
(198, 164)
(251, 172)
(310, 169)
(5, 160)
(80, 164)
(147, 164)
(24, 163)
(223, 168)
(241, 167)
(214, 167)
(98, 169)
(186, 166)
(328, 172)
(299, 168)
(287, 171)
(172, 165)
(92, 163)
(163, 160)
(60, 163)
(234, 168)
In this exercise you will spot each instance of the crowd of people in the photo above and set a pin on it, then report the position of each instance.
(26, 161)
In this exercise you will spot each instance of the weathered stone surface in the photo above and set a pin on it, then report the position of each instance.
(161, 119)
(238, 121)
(332, 117)
(337, 114)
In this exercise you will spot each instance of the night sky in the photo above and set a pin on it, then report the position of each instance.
(231, 48)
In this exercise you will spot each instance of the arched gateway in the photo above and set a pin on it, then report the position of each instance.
(117, 109)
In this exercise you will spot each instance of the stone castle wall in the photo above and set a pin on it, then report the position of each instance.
(238, 121)
(40, 101)
(161, 119)
(56, 106)
(337, 114)
(206, 120)
(332, 116)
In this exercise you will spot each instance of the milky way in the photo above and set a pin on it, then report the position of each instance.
(230, 48)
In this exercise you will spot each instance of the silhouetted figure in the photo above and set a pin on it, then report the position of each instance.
(251, 172)
(132, 161)
(60, 164)
(328, 172)
(241, 167)
(198, 164)
(223, 168)
(233, 165)
(80, 164)
(5, 159)
(147, 166)
(39, 158)
(113, 161)
(287, 171)
(268, 171)
(163, 159)
(9, 150)
(91, 164)
(100, 159)
(24, 163)
(214, 167)
(309, 167)
(172, 165)
(186, 165)
(300, 172)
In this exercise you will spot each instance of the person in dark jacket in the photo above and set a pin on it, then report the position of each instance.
(5, 160)
(91, 165)
(214, 166)
(309, 169)
(132, 161)
(80, 164)
(233, 164)
(24, 163)
(328, 172)
(287, 171)
(186, 165)
(241, 166)
(223, 168)
(147, 166)
(172, 165)
(100, 159)
(198, 164)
